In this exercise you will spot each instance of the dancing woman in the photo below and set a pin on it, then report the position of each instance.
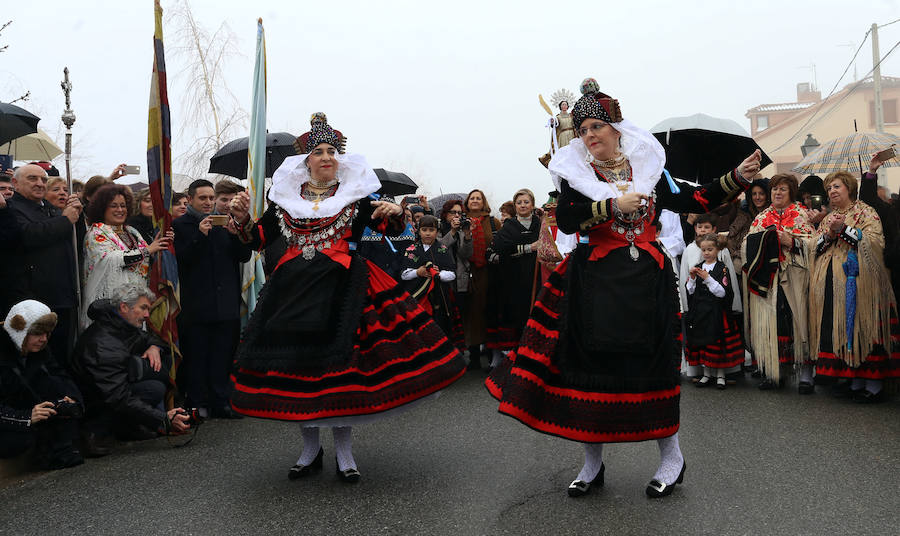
(598, 360)
(334, 341)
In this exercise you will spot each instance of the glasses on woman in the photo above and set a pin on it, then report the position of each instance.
(595, 128)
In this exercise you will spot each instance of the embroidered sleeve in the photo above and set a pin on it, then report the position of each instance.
(851, 235)
(703, 198)
(576, 212)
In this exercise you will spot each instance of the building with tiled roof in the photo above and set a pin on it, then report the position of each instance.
(781, 128)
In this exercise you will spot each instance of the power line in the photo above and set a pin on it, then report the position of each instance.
(836, 84)
(888, 24)
(849, 92)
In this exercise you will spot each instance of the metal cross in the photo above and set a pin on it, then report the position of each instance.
(68, 116)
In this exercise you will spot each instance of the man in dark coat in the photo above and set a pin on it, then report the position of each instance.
(32, 385)
(10, 251)
(46, 271)
(123, 370)
(209, 256)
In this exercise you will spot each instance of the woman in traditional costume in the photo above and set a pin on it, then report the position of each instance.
(776, 283)
(599, 359)
(517, 245)
(115, 254)
(852, 311)
(333, 341)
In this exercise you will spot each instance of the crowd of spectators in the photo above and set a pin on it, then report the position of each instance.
(74, 375)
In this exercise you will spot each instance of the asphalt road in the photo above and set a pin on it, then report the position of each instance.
(758, 463)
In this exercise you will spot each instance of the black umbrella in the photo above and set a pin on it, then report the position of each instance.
(16, 122)
(231, 159)
(394, 183)
(700, 147)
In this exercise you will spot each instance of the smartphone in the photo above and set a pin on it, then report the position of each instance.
(219, 219)
(815, 202)
(887, 154)
(412, 200)
(132, 170)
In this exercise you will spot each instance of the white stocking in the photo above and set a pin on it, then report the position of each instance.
(671, 460)
(593, 461)
(311, 445)
(343, 447)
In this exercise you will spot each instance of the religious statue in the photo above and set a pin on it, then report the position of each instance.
(562, 128)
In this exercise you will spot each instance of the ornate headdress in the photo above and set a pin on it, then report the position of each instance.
(320, 132)
(562, 95)
(595, 105)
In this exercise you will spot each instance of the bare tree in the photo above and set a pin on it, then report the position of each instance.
(209, 115)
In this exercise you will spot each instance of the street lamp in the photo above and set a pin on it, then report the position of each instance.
(809, 145)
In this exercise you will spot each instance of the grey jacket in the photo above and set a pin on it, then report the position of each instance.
(461, 247)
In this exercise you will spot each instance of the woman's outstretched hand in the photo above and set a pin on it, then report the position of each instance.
(751, 165)
(385, 209)
(240, 207)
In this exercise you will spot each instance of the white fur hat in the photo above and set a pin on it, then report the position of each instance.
(29, 316)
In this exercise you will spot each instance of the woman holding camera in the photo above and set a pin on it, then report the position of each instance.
(334, 341)
(456, 235)
(599, 357)
(115, 254)
(776, 285)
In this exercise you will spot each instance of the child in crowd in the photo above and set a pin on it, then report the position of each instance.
(507, 210)
(705, 224)
(428, 271)
(713, 338)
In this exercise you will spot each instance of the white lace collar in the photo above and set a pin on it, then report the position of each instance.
(645, 154)
(356, 181)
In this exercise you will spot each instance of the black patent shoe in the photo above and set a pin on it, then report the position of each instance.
(720, 383)
(703, 382)
(867, 397)
(806, 388)
(350, 476)
(300, 471)
(656, 489)
(579, 488)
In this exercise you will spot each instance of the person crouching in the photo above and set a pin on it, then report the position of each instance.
(713, 337)
(123, 370)
(39, 404)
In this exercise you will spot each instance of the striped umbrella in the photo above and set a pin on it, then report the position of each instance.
(846, 153)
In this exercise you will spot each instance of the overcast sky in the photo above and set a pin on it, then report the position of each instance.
(446, 91)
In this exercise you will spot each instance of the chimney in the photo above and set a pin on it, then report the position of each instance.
(807, 93)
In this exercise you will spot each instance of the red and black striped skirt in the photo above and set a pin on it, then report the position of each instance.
(597, 393)
(397, 355)
(727, 352)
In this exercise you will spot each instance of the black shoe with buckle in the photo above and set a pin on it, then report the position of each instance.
(579, 488)
(864, 396)
(350, 476)
(300, 471)
(657, 489)
(703, 382)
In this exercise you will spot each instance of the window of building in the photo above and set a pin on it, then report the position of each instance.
(889, 106)
(762, 122)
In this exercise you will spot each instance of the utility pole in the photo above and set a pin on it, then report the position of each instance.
(876, 83)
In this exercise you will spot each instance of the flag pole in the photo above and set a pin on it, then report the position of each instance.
(68, 119)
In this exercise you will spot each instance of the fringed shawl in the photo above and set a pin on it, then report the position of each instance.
(785, 268)
(874, 299)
